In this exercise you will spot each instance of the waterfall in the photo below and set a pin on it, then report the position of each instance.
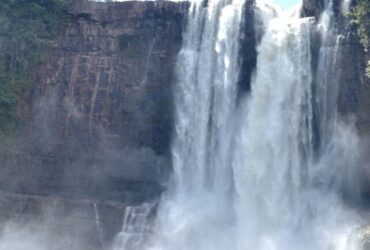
(203, 147)
(205, 98)
(326, 88)
(99, 229)
(286, 199)
(267, 172)
(148, 61)
(277, 133)
(135, 229)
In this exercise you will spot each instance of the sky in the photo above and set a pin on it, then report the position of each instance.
(286, 4)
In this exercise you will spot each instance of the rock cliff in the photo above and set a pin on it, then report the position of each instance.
(99, 118)
(97, 123)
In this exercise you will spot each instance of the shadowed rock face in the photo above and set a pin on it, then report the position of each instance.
(98, 122)
(248, 52)
(99, 119)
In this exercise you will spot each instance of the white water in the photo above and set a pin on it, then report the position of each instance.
(196, 213)
(148, 62)
(249, 176)
(135, 229)
(326, 86)
(287, 198)
(277, 132)
(346, 6)
(99, 229)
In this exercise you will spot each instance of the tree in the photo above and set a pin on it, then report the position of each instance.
(360, 16)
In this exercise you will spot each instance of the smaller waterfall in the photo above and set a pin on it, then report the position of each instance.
(99, 229)
(345, 7)
(136, 227)
(333, 150)
(148, 61)
(326, 87)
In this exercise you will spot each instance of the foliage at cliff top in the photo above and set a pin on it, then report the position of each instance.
(360, 16)
(27, 28)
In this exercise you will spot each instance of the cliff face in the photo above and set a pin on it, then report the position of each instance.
(99, 119)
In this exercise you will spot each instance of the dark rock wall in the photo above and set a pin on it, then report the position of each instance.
(97, 123)
(248, 52)
(99, 119)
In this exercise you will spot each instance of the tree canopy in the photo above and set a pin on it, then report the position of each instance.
(360, 15)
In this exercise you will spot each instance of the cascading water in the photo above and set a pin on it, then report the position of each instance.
(326, 88)
(267, 172)
(135, 229)
(277, 134)
(286, 195)
(205, 96)
(99, 229)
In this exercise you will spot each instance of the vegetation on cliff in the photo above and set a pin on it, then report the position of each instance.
(27, 29)
(360, 16)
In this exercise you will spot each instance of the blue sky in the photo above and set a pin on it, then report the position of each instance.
(286, 3)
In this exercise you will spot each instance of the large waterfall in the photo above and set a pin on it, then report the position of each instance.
(286, 188)
(268, 171)
(206, 119)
